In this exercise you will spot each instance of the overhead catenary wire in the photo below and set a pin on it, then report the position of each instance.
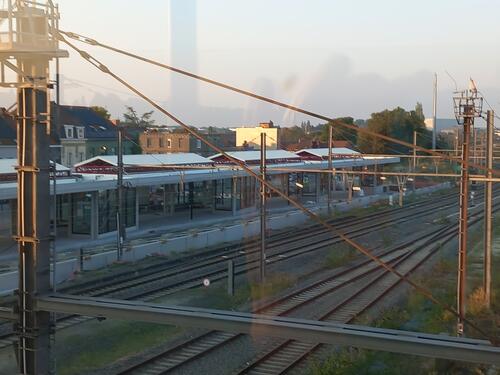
(94, 42)
(96, 63)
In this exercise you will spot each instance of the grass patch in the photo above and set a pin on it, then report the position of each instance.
(419, 314)
(272, 286)
(216, 297)
(339, 255)
(360, 362)
(108, 341)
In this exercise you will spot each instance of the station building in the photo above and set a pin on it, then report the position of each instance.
(179, 186)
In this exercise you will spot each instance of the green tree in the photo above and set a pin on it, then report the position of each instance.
(293, 134)
(339, 132)
(397, 123)
(419, 110)
(133, 119)
(101, 111)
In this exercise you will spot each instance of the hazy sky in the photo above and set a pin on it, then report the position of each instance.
(340, 58)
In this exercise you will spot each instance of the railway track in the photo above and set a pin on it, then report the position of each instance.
(286, 354)
(156, 282)
(283, 355)
(414, 250)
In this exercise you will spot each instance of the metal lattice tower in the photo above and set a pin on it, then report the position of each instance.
(468, 106)
(27, 44)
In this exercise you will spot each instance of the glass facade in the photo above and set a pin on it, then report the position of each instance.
(108, 202)
(81, 212)
(223, 194)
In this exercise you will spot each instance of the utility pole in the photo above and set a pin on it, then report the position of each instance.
(434, 112)
(401, 187)
(120, 217)
(330, 166)
(468, 105)
(414, 164)
(475, 157)
(27, 47)
(488, 205)
(263, 198)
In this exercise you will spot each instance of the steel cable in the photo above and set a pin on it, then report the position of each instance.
(94, 42)
(96, 63)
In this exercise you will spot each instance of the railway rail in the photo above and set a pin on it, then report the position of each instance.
(285, 354)
(200, 346)
(170, 277)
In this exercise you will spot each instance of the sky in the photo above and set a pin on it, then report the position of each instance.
(338, 58)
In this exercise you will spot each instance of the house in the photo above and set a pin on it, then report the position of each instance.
(8, 144)
(249, 137)
(164, 140)
(8, 138)
(84, 134)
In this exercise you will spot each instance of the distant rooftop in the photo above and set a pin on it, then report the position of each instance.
(150, 159)
(254, 156)
(323, 152)
(9, 166)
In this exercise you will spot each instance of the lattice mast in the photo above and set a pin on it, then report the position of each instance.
(27, 45)
(468, 106)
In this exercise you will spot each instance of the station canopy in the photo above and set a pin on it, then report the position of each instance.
(8, 170)
(322, 153)
(107, 164)
(253, 157)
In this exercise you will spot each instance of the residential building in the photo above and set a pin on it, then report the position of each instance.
(8, 138)
(85, 134)
(8, 144)
(249, 137)
(159, 141)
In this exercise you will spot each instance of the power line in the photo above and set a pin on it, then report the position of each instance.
(94, 42)
(96, 63)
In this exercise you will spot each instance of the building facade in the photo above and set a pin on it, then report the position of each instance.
(249, 138)
(160, 141)
(84, 134)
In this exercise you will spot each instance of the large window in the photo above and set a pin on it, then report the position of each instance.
(81, 212)
(108, 209)
(223, 193)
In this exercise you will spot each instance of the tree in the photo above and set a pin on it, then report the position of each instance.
(132, 118)
(101, 111)
(419, 109)
(339, 132)
(396, 123)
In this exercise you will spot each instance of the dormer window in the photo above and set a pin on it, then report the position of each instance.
(80, 131)
(69, 129)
